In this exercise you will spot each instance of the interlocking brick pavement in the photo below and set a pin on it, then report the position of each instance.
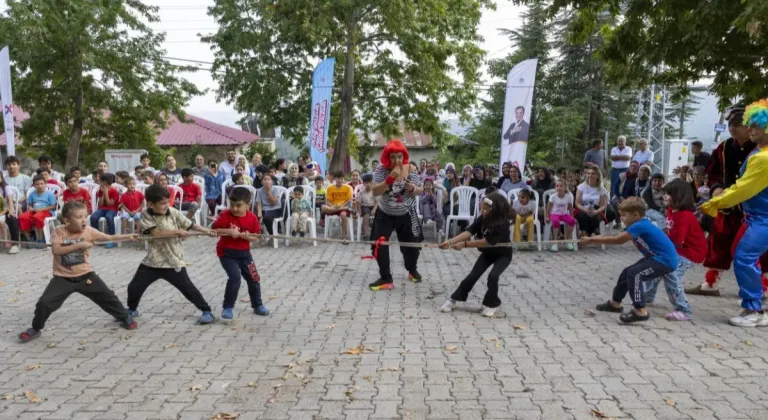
(545, 359)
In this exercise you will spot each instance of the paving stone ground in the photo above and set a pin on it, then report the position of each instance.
(545, 359)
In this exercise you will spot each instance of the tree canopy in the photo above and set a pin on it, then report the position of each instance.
(396, 61)
(676, 43)
(91, 74)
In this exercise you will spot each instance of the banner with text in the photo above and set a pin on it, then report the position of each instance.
(322, 90)
(517, 113)
(7, 100)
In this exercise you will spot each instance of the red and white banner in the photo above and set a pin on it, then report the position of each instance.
(7, 100)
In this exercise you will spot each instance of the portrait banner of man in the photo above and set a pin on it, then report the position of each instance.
(517, 112)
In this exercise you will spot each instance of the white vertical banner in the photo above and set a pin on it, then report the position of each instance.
(517, 113)
(7, 100)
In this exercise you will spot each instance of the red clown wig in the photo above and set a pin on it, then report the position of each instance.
(394, 146)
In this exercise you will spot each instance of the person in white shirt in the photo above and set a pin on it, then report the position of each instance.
(17, 179)
(643, 155)
(620, 157)
(228, 166)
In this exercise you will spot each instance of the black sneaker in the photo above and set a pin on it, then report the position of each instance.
(293, 233)
(128, 323)
(29, 335)
(382, 284)
(414, 277)
(301, 234)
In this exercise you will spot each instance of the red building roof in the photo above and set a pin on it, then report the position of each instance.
(196, 131)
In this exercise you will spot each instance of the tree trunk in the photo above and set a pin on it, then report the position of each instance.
(341, 145)
(73, 150)
(681, 132)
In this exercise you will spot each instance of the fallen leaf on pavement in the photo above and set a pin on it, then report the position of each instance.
(245, 299)
(355, 351)
(492, 339)
(32, 397)
(225, 416)
(8, 397)
(306, 381)
(391, 368)
(587, 312)
(498, 344)
(19, 292)
(367, 378)
(252, 384)
(716, 346)
(83, 341)
(290, 365)
(272, 297)
(330, 327)
(452, 349)
(671, 402)
(51, 345)
(599, 414)
(278, 386)
(299, 375)
(520, 327)
(13, 300)
(169, 345)
(33, 367)
(2, 283)
(291, 353)
(749, 343)
(196, 388)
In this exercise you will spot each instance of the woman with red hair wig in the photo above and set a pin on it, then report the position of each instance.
(396, 188)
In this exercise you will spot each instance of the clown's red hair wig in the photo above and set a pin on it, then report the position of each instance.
(394, 146)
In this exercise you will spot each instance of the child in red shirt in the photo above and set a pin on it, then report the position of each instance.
(193, 195)
(685, 232)
(107, 201)
(234, 251)
(131, 203)
(75, 193)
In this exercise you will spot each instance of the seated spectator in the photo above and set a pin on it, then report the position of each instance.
(96, 176)
(8, 221)
(121, 176)
(514, 181)
(45, 162)
(542, 183)
(162, 180)
(430, 208)
(559, 210)
(591, 202)
(213, 181)
(268, 205)
(293, 178)
(75, 193)
(525, 207)
(107, 205)
(131, 204)
(643, 180)
(466, 175)
(16, 179)
(654, 199)
(76, 172)
(450, 182)
(193, 195)
(41, 204)
(479, 180)
(240, 169)
(259, 173)
(137, 171)
(237, 179)
(145, 164)
(301, 210)
(339, 201)
(572, 182)
(148, 177)
(355, 179)
(171, 170)
(627, 183)
(46, 174)
(320, 193)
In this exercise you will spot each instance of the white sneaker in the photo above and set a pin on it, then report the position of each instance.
(749, 318)
(553, 248)
(569, 247)
(14, 250)
(448, 306)
(489, 312)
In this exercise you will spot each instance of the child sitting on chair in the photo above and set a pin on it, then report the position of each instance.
(429, 206)
(131, 204)
(524, 208)
(365, 204)
(301, 209)
(559, 211)
(41, 204)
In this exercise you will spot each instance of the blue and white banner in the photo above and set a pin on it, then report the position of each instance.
(517, 113)
(7, 100)
(322, 90)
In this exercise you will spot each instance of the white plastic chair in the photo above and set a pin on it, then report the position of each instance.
(536, 221)
(333, 218)
(200, 181)
(179, 195)
(467, 209)
(439, 196)
(309, 192)
(282, 198)
(13, 191)
(548, 225)
(224, 198)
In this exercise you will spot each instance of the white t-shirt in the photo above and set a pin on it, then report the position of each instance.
(524, 210)
(590, 196)
(560, 205)
(621, 164)
(643, 157)
(21, 182)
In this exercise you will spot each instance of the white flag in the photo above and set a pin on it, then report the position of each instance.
(517, 113)
(7, 100)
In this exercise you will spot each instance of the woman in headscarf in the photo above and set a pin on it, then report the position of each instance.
(396, 187)
(542, 183)
(504, 174)
(293, 178)
(479, 180)
(466, 175)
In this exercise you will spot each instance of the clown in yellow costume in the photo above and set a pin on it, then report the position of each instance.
(751, 191)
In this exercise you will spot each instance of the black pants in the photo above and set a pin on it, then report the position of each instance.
(13, 227)
(237, 263)
(269, 216)
(408, 229)
(491, 299)
(631, 280)
(89, 285)
(177, 277)
(589, 225)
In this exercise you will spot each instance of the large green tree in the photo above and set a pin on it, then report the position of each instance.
(676, 43)
(396, 60)
(91, 74)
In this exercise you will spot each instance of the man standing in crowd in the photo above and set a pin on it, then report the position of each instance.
(200, 169)
(228, 166)
(620, 156)
(643, 155)
(700, 158)
(255, 163)
(17, 179)
(723, 169)
(45, 162)
(596, 156)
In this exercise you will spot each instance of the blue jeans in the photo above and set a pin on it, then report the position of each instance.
(616, 181)
(660, 220)
(107, 214)
(673, 283)
(748, 252)
(237, 264)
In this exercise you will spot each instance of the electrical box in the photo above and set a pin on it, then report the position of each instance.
(676, 153)
(123, 160)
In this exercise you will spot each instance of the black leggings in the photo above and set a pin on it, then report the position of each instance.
(631, 280)
(13, 227)
(407, 231)
(491, 299)
(177, 277)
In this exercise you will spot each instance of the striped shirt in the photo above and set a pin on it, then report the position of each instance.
(395, 201)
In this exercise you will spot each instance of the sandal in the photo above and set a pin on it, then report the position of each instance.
(677, 316)
(607, 307)
(29, 335)
(631, 317)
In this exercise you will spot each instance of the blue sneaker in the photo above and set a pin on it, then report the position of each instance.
(226, 313)
(261, 310)
(206, 318)
(133, 313)
(110, 245)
